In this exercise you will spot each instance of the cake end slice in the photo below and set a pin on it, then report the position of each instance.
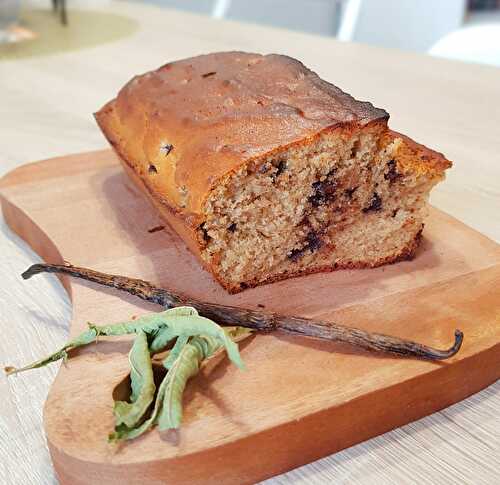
(349, 198)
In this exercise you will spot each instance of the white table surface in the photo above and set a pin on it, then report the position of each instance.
(45, 111)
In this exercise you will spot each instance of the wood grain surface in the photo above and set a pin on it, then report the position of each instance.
(299, 399)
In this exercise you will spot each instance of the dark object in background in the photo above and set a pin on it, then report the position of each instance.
(59, 6)
(484, 4)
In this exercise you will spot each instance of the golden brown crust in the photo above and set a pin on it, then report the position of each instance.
(185, 231)
(194, 122)
(416, 157)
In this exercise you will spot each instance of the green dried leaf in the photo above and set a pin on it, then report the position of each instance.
(194, 353)
(83, 339)
(150, 324)
(164, 336)
(173, 354)
(167, 325)
(167, 410)
(124, 432)
(192, 325)
(147, 323)
(142, 383)
(185, 366)
(198, 339)
(186, 311)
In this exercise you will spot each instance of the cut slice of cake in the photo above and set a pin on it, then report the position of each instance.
(267, 171)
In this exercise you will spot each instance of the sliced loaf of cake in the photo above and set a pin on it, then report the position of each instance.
(267, 171)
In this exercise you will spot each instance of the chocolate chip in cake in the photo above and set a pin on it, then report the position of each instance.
(208, 74)
(314, 243)
(350, 192)
(232, 227)
(392, 174)
(324, 192)
(204, 232)
(295, 254)
(152, 169)
(264, 168)
(280, 168)
(394, 212)
(375, 204)
(166, 148)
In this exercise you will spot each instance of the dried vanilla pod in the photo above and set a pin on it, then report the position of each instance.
(256, 319)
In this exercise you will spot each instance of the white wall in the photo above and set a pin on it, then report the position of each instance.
(405, 24)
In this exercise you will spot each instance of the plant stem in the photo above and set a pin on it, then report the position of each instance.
(256, 319)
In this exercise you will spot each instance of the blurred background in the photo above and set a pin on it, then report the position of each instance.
(467, 30)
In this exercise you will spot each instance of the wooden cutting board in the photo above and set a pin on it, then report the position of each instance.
(299, 399)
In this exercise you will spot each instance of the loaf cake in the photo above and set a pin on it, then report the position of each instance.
(267, 171)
